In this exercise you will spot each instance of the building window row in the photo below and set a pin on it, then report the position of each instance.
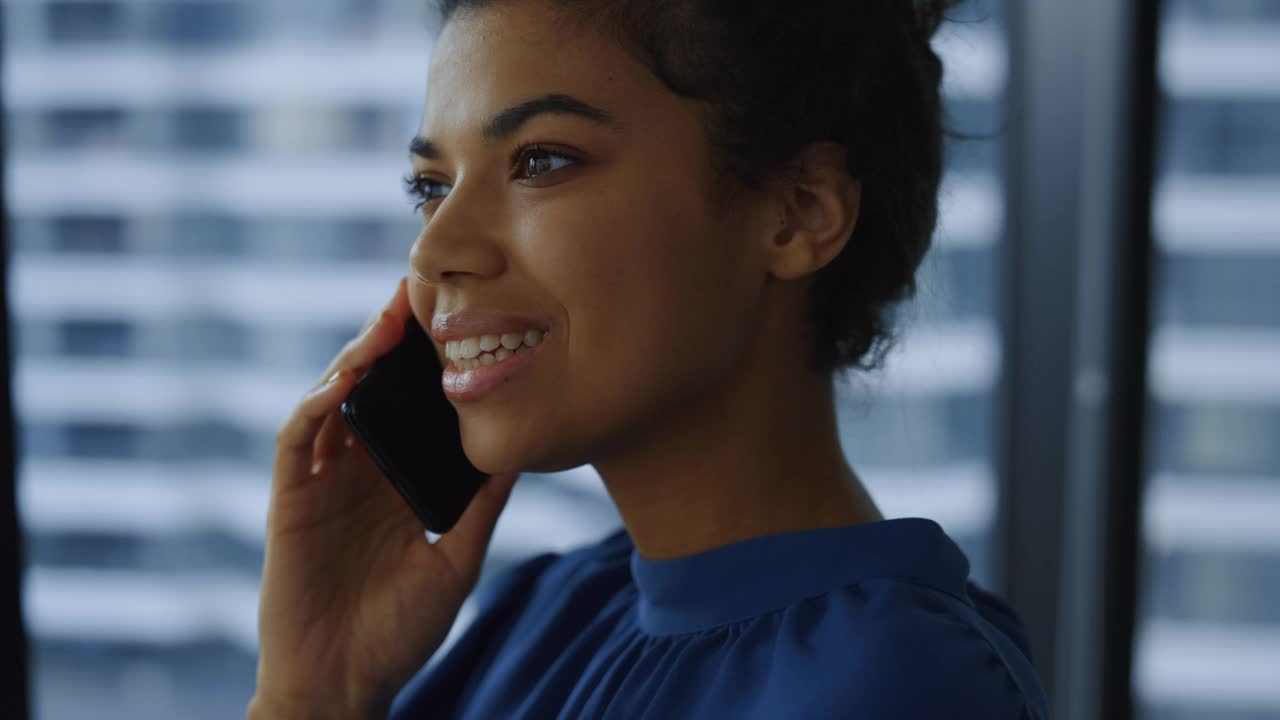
(216, 235)
(213, 128)
(185, 24)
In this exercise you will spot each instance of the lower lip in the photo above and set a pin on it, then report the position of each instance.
(469, 385)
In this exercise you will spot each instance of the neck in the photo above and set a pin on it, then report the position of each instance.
(762, 457)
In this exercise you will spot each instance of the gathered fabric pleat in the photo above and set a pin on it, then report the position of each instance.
(872, 621)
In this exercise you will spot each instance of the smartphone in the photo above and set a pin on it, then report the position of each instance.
(398, 411)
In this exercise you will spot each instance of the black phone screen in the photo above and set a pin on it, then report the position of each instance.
(400, 414)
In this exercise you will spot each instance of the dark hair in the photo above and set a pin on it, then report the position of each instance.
(777, 76)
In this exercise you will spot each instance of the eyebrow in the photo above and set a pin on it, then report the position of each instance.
(507, 122)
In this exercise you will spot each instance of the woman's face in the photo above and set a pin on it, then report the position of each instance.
(607, 236)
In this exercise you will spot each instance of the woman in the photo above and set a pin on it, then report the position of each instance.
(682, 220)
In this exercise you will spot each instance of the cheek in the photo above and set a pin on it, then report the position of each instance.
(640, 282)
(628, 271)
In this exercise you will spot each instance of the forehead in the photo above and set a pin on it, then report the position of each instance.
(489, 59)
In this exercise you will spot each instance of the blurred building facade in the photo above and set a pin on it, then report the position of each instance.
(1208, 641)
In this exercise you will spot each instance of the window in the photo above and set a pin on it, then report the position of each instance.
(202, 338)
(211, 288)
(200, 23)
(85, 128)
(208, 128)
(88, 234)
(205, 279)
(95, 338)
(362, 238)
(1216, 289)
(80, 23)
(101, 439)
(1217, 134)
(1208, 640)
(206, 234)
(921, 432)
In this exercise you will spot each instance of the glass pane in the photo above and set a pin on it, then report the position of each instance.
(234, 216)
(79, 22)
(1208, 641)
(205, 205)
(921, 434)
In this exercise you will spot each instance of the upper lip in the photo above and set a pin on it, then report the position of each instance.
(478, 321)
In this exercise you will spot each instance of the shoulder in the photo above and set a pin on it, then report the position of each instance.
(911, 651)
(524, 594)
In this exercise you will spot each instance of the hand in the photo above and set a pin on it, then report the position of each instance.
(355, 599)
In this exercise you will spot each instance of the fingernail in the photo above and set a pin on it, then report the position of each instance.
(327, 383)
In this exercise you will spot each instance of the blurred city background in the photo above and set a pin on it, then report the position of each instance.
(205, 203)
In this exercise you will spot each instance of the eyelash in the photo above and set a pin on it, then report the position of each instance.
(416, 186)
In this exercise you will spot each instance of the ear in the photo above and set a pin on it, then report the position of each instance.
(817, 209)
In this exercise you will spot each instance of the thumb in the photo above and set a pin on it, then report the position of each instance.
(467, 543)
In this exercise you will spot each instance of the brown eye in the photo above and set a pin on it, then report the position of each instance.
(537, 161)
(420, 190)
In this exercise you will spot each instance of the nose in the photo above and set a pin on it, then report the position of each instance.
(459, 242)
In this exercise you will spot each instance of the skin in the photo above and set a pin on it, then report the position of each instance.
(675, 361)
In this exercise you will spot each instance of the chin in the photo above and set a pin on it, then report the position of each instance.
(498, 448)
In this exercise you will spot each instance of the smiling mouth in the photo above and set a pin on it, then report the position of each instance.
(485, 350)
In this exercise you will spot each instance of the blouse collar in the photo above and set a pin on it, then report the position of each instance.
(752, 577)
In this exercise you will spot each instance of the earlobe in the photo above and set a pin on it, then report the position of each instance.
(817, 214)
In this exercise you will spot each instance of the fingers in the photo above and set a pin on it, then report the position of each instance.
(466, 545)
(315, 431)
(295, 440)
(330, 439)
(379, 335)
(397, 306)
(361, 352)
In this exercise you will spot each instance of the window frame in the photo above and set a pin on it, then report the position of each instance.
(1075, 322)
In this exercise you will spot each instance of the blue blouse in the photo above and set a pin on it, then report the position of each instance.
(877, 620)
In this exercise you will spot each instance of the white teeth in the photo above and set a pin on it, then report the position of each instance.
(478, 351)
